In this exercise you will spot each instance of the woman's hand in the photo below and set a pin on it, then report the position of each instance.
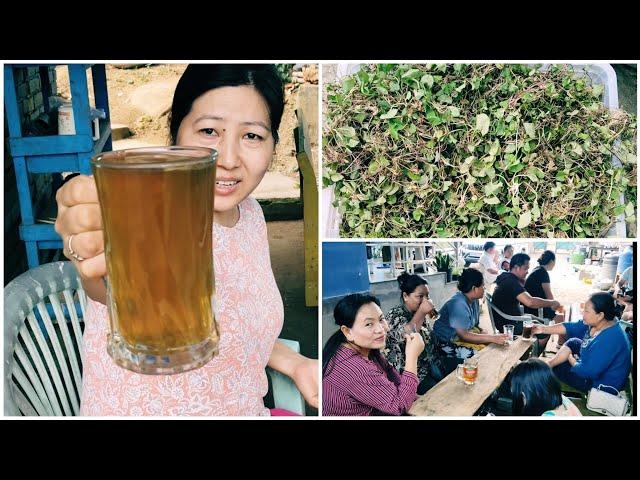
(414, 346)
(537, 329)
(305, 376)
(79, 216)
(302, 370)
(426, 307)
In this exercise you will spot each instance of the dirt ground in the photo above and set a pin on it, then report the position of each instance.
(127, 87)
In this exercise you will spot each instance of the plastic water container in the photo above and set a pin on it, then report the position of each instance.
(66, 125)
(609, 266)
(600, 74)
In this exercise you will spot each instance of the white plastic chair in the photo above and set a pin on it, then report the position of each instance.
(44, 312)
(515, 318)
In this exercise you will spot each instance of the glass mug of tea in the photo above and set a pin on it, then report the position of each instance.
(527, 328)
(467, 371)
(157, 217)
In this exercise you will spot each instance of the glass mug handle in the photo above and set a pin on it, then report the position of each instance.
(458, 374)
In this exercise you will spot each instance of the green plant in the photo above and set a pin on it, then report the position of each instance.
(476, 151)
(285, 69)
(443, 261)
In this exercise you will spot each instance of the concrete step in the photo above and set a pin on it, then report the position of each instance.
(279, 196)
(119, 131)
(277, 185)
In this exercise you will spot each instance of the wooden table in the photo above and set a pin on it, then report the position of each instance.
(451, 397)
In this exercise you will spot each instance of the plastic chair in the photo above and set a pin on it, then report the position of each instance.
(515, 318)
(44, 310)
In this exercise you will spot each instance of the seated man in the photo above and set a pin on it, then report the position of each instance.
(510, 293)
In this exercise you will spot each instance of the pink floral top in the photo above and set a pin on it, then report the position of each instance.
(250, 314)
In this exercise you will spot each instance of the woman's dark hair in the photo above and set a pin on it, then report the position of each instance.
(470, 278)
(541, 389)
(546, 257)
(604, 302)
(408, 283)
(507, 247)
(198, 79)
(345, 313)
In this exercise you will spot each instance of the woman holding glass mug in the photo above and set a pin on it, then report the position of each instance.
(410, 316)
(356, 379)
(236, 110)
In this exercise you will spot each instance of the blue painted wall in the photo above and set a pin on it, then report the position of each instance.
(344, 268)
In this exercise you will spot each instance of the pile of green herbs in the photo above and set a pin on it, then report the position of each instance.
(477, 150)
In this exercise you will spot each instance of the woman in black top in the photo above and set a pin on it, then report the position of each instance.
(538, 284)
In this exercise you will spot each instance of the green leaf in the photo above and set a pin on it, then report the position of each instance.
(378, 164)
(455, 111)
(413, 176)
(619, 210)
(516, 167)
(502, 209)
(390, 114)
(492, 188)
(433, 118)
(427, 80)
(491, 200)
(629, 211)
(511, 221)
(347, 132)
(482, 123)
(535, 211)
(336, 177)
(537, 172)
(530, 129)
(564, 226)
(525, 220)
(417, 214)
(348, 84)
(411, 73)
(510, 148)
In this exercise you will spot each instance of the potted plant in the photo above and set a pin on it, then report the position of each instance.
(443, 264)
(455, 273)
